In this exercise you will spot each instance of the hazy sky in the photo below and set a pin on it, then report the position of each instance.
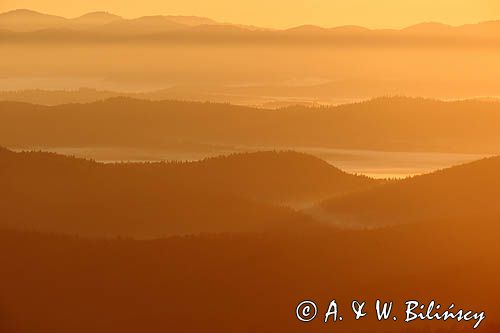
(284, 13)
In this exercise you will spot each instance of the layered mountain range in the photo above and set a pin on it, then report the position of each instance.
(25, 20)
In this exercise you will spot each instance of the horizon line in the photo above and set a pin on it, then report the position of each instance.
(288, 27)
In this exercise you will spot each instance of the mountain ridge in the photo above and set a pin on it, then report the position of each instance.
(235, 193)
(429, 125)
(100, 17)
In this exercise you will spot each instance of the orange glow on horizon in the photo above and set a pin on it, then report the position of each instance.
(284, 13)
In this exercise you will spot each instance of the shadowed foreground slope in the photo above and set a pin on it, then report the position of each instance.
(234, 193)
(245, 282)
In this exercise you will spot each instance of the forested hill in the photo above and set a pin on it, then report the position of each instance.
(398, 124)
(235, 193)
(255, 280)
(463, 195)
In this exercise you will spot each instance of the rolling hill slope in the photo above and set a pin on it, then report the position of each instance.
(252, 280)
(25, 20)
(235, 193)
(465, 194)
(394, 124)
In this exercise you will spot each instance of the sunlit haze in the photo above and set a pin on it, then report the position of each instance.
(284, 13)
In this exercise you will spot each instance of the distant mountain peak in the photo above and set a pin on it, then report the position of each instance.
(191, 20)
(100, 15)
(153, 19)
(22, 11)
(306, 28)
(350, 29)
(29, 20)
(99, 18)
(27, 14)
(428, 27)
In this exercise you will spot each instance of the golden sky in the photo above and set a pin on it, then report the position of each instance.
(284, 13)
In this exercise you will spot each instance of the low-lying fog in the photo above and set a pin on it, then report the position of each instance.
(375, 164)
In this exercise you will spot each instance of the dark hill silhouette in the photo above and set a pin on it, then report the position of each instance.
(266, 95)
(462, 194)
(253, 280)
(397, 124)
(278, 177)
(232, 193)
